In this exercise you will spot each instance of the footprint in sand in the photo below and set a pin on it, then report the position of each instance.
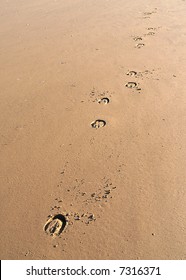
(147, 13)
(104, 100)
(131, 85)
(131, 73)
(137, 38)
(140, 45)
(150, 33)
(103, 96)
(55, 225)
(141, 75)
(98, 123)
(151, 28)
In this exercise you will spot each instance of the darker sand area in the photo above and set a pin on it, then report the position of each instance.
(93, 129)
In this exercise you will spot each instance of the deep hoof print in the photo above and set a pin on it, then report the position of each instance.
(55, 225)
(140, 45)
(131, 85)
(98, 123)
(104, 100)
(131, 73)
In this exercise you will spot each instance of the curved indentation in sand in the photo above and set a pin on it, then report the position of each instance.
(104, 100)
(98, 123)
(131, 73)
(55, 225)
(140, 45)
(137, 38)
(131, 85)
(151, 33)
(147, 13)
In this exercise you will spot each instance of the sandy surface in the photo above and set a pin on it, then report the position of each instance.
(121, 187)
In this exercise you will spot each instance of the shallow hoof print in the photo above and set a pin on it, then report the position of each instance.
(137, 39)
(150, 34)
(98, 123)
(147, 13)
(55, 225)
(131, 85)
(151, 28)
(104, 100)
(140, 45)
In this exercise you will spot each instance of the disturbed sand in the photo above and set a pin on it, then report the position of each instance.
(93, 134)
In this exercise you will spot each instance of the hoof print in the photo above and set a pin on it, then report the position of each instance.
(98, 123)
(137, 39)
(131, 85)
(151, 28)
(131, 73)
(55, 225)
(151, 33)
(140, 45)
(104, 100)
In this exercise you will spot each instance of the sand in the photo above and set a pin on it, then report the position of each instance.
(83, 177)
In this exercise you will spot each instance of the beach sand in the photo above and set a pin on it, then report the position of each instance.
(93, 134)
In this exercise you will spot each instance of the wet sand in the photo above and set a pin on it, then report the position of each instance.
(112, 169)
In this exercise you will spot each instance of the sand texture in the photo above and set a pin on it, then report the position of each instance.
(93, 129)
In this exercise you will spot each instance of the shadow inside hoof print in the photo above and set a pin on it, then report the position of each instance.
(131, 85)
(104, 100)
(55, 225)
(98, 123)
